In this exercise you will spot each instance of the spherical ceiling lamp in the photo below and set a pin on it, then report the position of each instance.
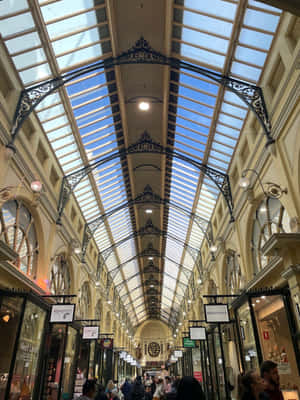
(36, 186)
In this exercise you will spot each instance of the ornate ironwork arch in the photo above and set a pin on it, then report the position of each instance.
(146, 197)
(141, 53)
(149, 229)
(145, 144)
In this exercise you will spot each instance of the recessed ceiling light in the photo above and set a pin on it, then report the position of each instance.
(150, 258)
(144, 105)
(151, 285)
(148, 211)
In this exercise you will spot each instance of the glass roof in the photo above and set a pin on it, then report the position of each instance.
(204, 119)
(82, 120)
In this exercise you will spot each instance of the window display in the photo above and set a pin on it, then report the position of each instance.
(275, 338)
(10, 312)
(26, 364)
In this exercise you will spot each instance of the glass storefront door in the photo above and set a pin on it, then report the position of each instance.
(275, 337)
(10, 313)
(265, 323)
(22, 326)
(26, 364)
(247, 338)
(60, 372)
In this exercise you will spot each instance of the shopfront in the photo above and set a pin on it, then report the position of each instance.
(23, 320)
(267, 331)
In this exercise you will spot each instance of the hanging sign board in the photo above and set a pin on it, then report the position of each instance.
(123, 355)
(216, 313)
(178, 353)
(107, 343)
(173, 359)
(62, 313)
(90, 332)
(188, 343)
(197, 333)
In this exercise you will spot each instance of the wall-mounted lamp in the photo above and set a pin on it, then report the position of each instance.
(270, 189)
(75, 246)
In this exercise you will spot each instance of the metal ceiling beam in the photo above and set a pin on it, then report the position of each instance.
(141, 53)
(146, 197)
(144, 145)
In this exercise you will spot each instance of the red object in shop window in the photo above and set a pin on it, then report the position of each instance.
(266, 335)
(198, 376)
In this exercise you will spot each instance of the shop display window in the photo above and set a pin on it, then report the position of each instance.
(10, 312)
(275, 338)
(219, 364)
(247, 338)
(27, 357)
(55, 358)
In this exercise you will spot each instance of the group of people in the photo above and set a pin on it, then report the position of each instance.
(263, 385)
(154, 388)
(252, 386)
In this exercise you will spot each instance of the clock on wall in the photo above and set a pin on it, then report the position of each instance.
(153, 349)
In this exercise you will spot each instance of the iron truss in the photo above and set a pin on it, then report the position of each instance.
(146, 197)
(145, 144)
(149, 229)
(141, 53)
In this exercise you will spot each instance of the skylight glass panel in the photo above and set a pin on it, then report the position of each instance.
(216, 8)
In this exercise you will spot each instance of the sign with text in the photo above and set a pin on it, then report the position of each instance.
(216, 313)
(90, 332)
(62, 313)
(178, 353)
(107, 343)
(197, 333)
(188, 343)
(198, 376)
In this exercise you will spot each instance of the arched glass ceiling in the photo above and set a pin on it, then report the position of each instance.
(82, 120)
(205, 120)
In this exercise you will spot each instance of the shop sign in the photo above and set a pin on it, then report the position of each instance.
(197, 333)
(178, 353)
(266, 335)
(173, 359)
(62, 313)
(188, 343)
(107, 343)
(216, 313)
(198, 376)
(90, 332)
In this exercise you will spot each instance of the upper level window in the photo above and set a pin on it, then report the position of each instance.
(270, 217)
(233, 276)
(60, 276)
(18, 232)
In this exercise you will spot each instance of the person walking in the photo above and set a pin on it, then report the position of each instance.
(126, 389)
(269, 372)
(138, 390)
(159, 391)
(88, 390)
(251, 387)
(189, 388)
(101, 395)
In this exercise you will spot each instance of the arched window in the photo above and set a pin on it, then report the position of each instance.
(270, 217)
(233, 275)
(18, 232)
(60, 276)
(84, 301)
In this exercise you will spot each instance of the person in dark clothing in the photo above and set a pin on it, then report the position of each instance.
(251, 387)
(189, 388)
(138, 390)
(269, 373)
(153, 385)
(148, 394)
(101, 395)
(126, 389)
